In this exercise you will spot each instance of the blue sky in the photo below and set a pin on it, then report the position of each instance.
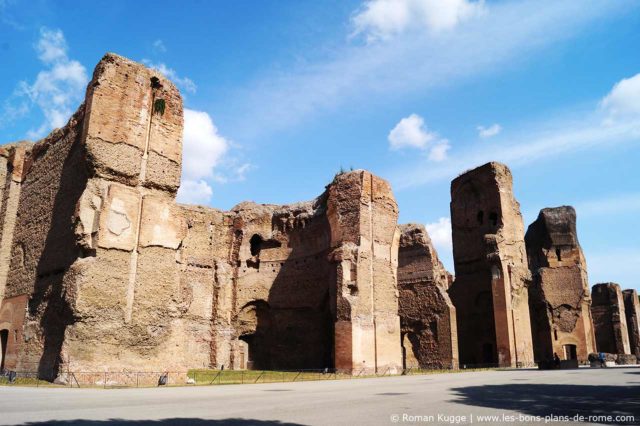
(279, 95)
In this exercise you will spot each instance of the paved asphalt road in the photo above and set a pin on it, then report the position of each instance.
(454, 397)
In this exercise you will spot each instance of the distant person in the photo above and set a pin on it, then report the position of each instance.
(602, 359)
(556, 360)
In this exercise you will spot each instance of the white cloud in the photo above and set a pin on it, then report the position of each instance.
(487, 132)
(203, 146)
(51, 46)
(624, 99)
(60, 88)
(194, 192)
(410, 132)
(440, 233)
(439, 150)
(202, 154)
(383, 19)
(184, 83)
(159, 47)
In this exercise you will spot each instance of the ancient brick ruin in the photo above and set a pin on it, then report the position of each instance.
(490, 289)
(609, 319)
(559, 295)
(632, 311)
(427, 315)
(101, 269)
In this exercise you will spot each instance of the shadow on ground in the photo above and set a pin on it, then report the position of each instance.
(163, 422)
(557, 400)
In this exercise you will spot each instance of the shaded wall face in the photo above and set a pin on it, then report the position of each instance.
(282, 279)
(609, 319)
(490, 289)
(475, 212)
(559, 296)
(632, 310)
(44, 246)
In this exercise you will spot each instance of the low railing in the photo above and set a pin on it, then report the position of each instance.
(128, 379)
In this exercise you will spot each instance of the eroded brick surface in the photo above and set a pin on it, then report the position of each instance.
(559, 296)
(427, 315)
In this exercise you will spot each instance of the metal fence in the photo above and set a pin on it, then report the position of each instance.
(128, 379)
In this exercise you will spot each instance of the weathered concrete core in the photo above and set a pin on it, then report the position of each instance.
(491, 272)
(427, 315)
(609, 319)
(559, 297)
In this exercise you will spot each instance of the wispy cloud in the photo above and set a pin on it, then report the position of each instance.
(57, 90)
(488, 132)
(580, 131)
(158, 46)
(507, 33)
(628, 203)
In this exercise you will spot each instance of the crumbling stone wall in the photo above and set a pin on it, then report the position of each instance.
(559, 298)
(609, 319)
(632, 311)
(491, 272)
(427, 315)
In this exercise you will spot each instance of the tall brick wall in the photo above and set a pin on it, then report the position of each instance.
(559, 297)
(609, 319)
(427, 315)
(490, 288)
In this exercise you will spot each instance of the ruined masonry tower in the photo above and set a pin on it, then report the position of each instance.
(559, 295)
(490, 288)
(632, 310)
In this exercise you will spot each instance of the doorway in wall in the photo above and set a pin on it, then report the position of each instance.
(570, 352)
(4, 341)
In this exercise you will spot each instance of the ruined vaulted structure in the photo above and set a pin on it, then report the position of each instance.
(491, 272)
(427, 315)
(101, 269)
(559, 297)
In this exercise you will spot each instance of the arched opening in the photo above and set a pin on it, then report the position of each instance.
(254, 323)
(255, 244)
(4, 341)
